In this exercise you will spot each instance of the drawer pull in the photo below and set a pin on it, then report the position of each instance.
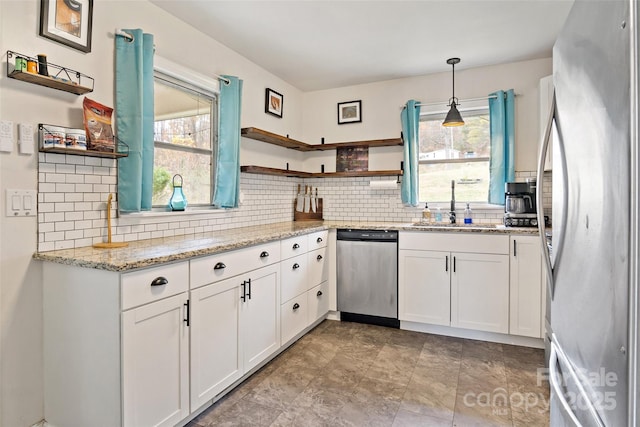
(296, 306)
(264, 254)
(219, 266)
(249, 293)
(319, 294)
(159, 281)
(319, 240)
(296, 246)
(319, 257)
(243, 297)
(296, 266)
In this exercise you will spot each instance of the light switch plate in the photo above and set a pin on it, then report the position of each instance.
(21, 203)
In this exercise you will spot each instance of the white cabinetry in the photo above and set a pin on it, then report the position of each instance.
(305, 296)
(454, 279)
(235, 322)
(526, 291)
(116, 346)
(545, 99)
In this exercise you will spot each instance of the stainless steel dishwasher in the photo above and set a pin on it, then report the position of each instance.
(367, 267)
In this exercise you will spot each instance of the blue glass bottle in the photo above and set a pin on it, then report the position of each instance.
(178, 201)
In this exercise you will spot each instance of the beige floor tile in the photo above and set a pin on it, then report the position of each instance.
(406, 418)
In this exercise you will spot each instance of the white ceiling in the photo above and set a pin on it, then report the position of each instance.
(322, 44)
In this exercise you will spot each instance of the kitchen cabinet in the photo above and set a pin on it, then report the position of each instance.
(526, 286)
(545, 99)
(466, 286)
(155, 363)
(116, 345)
(480, 292)
(305, 296)
(235, 322)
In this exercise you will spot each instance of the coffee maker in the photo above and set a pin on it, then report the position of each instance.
(520, 204)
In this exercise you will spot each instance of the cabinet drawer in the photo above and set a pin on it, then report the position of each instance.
(318, 239)
(318, 267)
(151, 284)
(455, 242)
(213, 268)
(293, 317)
(293, 246)
(318, 301)
(293, 277)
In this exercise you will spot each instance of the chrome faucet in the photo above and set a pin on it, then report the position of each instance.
(452, 212)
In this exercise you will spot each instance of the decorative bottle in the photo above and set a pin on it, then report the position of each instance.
(468, 219)
(426, 214)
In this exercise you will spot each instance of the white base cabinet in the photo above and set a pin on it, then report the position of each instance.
(526, 287)
(155, 363)
(455, 279)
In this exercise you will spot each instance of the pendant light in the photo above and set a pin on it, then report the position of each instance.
(453, 116)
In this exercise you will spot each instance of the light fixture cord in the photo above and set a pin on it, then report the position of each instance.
(453, 84)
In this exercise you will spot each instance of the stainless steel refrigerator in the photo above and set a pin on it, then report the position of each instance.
(593, 271)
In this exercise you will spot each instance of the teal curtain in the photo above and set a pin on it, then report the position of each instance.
(227, 176)
(502, 133)
(410, 118)
(134, 119)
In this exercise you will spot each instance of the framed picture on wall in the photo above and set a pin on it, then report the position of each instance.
(349, 112)
(273, 102)
(67, 22)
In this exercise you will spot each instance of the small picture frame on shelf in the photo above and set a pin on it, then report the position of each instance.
(67, 22)
(273, 102)
(349, 112)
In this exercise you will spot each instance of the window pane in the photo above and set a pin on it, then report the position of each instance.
(195, 170)
(440, 143)
(472, 181)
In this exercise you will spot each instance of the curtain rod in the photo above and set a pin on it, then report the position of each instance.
(129, 37)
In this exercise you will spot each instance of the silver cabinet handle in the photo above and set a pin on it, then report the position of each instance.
(159, 281)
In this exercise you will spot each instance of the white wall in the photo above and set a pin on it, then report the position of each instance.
(21, 387)
(382, 102)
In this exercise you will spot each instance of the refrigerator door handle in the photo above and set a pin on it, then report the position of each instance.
(540, 192)
(557, 355)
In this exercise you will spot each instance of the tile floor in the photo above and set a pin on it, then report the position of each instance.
(350, 374)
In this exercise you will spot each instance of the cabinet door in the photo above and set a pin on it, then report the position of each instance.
(526, 286)
(260, 316)
(215, 344)
(423, 288)
(480, 292)
(155, 365)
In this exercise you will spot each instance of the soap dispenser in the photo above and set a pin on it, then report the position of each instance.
(426, 214)
(468, 215)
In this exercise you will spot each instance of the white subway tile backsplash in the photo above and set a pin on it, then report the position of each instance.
(85, 183)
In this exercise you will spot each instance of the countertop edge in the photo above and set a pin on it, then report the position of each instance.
(237, 238)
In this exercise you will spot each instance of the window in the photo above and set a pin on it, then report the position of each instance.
(454, 153)
(185, 120)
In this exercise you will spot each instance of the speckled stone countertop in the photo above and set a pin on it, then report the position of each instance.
(146, 253)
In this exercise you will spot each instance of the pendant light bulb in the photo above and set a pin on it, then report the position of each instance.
(453, 116)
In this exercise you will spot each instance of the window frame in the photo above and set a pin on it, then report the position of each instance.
(182, 77)
(439, 109)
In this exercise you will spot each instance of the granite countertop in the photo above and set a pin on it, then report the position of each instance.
(146, 253)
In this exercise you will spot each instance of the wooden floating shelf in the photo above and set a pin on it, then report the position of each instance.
(283, 141)
(299, 174)
(89, 153)
(50, 82)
